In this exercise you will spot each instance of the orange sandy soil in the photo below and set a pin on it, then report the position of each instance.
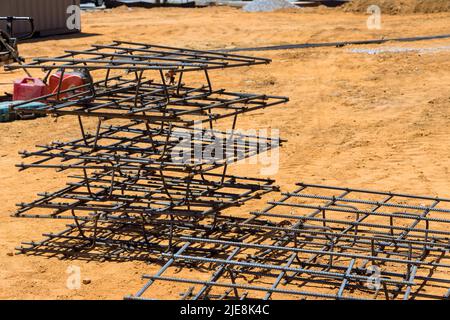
(367, 121)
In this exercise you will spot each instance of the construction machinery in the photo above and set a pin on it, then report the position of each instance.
(8, 42)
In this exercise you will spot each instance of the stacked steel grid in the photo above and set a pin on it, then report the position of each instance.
(140, 81)
(141, 147)
(321, 242)
(317, 242)
(159, 167)
(137, 197)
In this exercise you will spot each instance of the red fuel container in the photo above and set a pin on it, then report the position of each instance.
(70, 80)
(28, 88)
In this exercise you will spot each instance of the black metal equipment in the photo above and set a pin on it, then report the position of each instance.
(8, 41)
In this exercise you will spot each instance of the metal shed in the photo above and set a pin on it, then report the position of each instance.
(50, 16)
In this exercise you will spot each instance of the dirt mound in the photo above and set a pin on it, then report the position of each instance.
(400, 6)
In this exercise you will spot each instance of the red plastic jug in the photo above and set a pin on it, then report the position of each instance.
(70, 80)
(28, 88)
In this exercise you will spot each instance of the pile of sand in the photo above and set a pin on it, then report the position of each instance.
(400, 6)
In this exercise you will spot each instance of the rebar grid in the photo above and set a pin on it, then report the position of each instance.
(109, 196)
(131, 56)
(141, 147)
(155, 103)
(327, 243)
(129, 238)
(144, 82)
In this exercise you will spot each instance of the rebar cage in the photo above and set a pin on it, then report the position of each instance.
(131, 55)
(143, 81)
(138, 146)
(321, 242)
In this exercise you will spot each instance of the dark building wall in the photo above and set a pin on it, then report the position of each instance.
(50, 16)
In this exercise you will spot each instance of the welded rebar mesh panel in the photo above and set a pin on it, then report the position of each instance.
(140, 56)
(328, 243)
(139, 81)
(117, 196)
(142, 147)
(145, 100)
(130, 239)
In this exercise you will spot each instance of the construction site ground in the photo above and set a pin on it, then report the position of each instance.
(374, 121)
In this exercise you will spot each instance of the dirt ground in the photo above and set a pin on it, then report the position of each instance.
(399, 6)
(376, 121)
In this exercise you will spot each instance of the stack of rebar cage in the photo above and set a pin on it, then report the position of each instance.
(137, 197)
(153, 169)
